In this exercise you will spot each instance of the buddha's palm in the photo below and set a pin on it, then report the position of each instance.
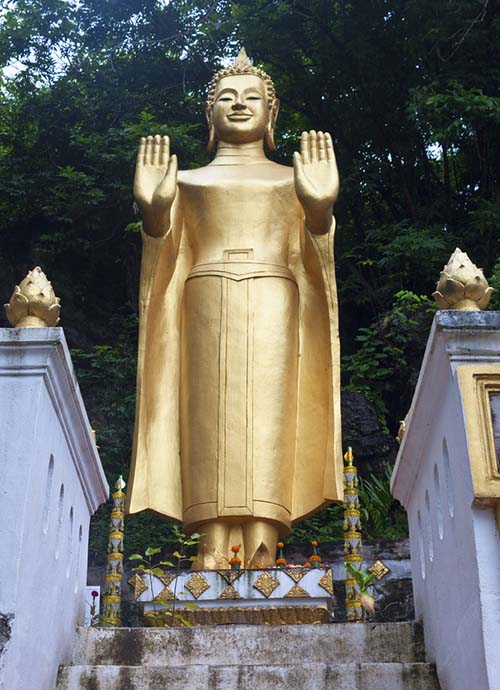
(155, 183)
(316, 175)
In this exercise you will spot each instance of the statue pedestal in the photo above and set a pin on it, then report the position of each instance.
(277, 596)
(447, 476)
(52, 482)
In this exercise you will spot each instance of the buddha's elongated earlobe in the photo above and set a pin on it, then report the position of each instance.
(269, 135)
(211, 138)
(211, 130)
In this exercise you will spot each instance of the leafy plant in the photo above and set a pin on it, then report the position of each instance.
(389, 354)
(363, 580)
(153, 568)
(382, 516)
(326, 525)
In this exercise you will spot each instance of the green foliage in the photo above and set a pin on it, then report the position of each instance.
(388, 355)
(495, 284)
(150, 567)
(409, 91)
(326, 525)
(382, 516)
(363, 580)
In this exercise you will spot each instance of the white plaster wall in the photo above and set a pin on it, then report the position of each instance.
(51, 482)
(455, 547)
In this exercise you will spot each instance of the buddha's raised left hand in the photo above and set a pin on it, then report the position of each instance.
(316, 179)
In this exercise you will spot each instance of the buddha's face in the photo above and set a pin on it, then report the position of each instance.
(240, 111)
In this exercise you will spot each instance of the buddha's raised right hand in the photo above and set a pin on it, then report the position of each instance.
(155, 183)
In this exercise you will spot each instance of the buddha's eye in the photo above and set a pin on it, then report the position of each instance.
(225, 98)
(254, 98)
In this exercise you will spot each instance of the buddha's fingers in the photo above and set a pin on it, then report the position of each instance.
(148, 156)
(321, 147)
(156, 149)
(313, 146)
(164, 151)
(304, 147)
(141, 152)
(330, 154)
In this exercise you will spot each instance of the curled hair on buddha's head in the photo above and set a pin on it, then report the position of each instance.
(242, 65)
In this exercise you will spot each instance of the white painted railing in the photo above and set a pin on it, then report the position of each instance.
(447, 476)
(51, 482)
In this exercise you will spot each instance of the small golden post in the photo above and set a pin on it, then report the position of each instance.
(112, 597)
(352, 537)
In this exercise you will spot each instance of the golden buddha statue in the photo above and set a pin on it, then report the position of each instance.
(237, 429)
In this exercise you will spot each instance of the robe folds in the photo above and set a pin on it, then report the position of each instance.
(272, 452)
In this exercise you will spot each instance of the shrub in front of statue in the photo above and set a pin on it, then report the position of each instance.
(150, 568)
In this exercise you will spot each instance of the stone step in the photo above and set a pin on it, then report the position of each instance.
(246, 645)
(318, 676)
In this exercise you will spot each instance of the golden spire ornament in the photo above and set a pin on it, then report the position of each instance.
(352, 537)
(112, 598)
(462, 285)
(33, 303)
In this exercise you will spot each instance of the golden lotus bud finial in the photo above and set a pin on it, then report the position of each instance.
(462, 285)
(33, 303)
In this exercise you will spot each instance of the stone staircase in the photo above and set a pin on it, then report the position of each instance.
(378, 656)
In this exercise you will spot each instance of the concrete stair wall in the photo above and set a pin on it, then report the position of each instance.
(385, 656)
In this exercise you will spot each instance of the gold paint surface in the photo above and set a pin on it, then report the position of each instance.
(262, 615)
(266, 584)
(478, 383)
(230, 575)
(297, 592)
(33, 303)
(166, 594)
(230, 593)
(379, 569)
(462, 285)
(296, 574)
(138, 584)
(197, 584)
(326, 581)
(238, 385)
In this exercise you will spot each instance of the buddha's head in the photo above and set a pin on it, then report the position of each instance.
(241, 106)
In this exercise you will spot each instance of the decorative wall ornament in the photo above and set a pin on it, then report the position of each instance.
(167, 578)
(462, 285)
(253, 587)
(327, 582)
(295, 573)
(230, 593)
(138, 584)
(297, 592)
(261, 615)
(197, 585)
(33, 303)
(379, 569)
(266, 584)
(230, 575)
(166, 594)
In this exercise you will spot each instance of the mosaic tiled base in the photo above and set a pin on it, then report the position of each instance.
(286, 596)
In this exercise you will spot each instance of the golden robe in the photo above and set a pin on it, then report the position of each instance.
(238, 382)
